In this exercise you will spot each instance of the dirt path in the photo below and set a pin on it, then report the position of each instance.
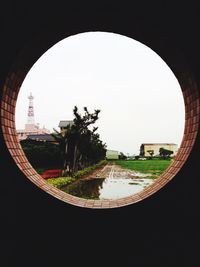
(112, 170)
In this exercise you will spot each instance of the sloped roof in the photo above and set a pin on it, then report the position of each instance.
(150, 144)
(41, 137)
(65, 123)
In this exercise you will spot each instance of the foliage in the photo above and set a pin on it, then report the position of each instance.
(80, 146)
(122, 156)
(151, 152)
(155, 167)
(87, 170)
(165, 153)
(60, 181)
(42, 154)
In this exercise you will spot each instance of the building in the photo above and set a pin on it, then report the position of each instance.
(112, 154)
(42, 138)
(63, 125)
(144, 148)
(30, 127)
(31, 130)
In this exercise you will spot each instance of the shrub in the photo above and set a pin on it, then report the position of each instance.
(42, 154)
(87, 170)
(60, 181)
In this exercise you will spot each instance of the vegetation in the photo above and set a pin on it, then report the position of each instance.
(165, 153)
(151, 153)
(60, 181)
(80, 146)
(155, 167)
(63, 181)
(122, 156)
(87, 170)
(42, 155)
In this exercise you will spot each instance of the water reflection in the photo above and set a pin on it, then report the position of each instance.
(89, 189)
(106, 188)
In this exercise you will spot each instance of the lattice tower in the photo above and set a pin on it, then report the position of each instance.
(31, 119)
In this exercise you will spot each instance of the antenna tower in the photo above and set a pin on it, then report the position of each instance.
(31, 119)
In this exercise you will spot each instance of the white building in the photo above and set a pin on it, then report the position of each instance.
(112, 154)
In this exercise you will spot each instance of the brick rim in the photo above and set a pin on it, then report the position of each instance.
(8, 103)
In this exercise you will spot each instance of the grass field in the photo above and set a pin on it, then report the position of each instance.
(155, 167)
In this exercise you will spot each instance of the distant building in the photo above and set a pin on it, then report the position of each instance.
(31, 130)
(63, 125)
(155, 147)
(112, 154)
(42, 138)
(30, 127)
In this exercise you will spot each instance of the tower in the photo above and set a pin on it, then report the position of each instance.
(30, 119)
(31, 128)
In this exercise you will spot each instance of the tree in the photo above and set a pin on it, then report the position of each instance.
(122, 156)
(80, 145)
(165, 153)
(151, 153)
(42, 154)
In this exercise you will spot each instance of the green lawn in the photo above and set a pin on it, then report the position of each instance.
(156, 166)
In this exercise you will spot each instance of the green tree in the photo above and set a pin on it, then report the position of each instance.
(165, 153)
(122, 156)
(151, 153)
(80, 145)
(42, 154)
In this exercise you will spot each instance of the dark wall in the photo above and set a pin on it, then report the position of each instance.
(162, 230)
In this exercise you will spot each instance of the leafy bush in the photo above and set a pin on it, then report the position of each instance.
(60, 181)
(42, 154)
(87, 170)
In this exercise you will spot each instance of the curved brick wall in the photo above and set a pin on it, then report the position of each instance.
(8, 102)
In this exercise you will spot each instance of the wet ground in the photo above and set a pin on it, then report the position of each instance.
(109, 182)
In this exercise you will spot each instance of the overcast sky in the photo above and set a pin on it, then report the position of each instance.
(139, 97)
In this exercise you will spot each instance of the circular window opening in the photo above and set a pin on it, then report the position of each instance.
(112, 116)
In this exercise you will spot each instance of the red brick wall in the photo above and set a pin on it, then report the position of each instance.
(8, 102)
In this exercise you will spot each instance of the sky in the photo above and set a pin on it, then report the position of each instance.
(139, 96)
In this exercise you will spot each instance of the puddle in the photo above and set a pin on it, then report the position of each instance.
(107, 188)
